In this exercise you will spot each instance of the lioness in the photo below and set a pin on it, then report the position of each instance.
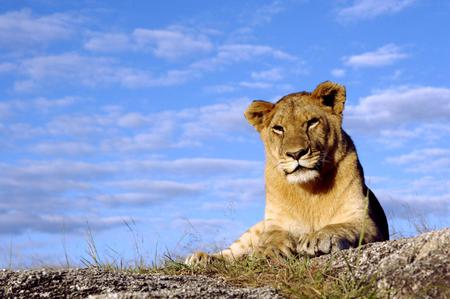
(316, 198)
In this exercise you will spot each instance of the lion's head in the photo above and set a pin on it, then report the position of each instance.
(302, 132)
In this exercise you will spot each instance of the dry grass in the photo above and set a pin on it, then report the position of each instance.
(295, 277)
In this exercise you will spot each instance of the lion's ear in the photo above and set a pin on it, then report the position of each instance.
(257, 113)
(331, 95)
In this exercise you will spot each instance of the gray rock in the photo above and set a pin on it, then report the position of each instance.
(95, 283)
(416, 267)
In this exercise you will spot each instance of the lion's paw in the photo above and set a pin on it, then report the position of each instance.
(319, 243)
(276, 243)
(198, 258)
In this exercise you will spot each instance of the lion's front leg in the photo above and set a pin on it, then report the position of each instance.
(330, 238)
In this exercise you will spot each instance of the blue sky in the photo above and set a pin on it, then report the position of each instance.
(126, 117)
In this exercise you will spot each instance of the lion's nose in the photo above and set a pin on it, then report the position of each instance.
(298, 154)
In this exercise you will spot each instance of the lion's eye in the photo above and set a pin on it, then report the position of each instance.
(313, 122)
(278, 130)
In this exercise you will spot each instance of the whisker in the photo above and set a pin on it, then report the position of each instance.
(276, 166)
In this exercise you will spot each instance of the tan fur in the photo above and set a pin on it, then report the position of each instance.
(316, 198)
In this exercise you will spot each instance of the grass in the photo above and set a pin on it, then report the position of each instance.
(293, 277)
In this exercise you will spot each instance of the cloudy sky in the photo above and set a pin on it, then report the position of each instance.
(125, 118)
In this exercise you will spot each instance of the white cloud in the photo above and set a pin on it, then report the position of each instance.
(12, 185)
(338, 73)
(109, 42)
(107, 130)
(415, 204)
(73, 68)
(70, 66)
(215, 121)
(21, 28)
(256, 85)
(38, 104)
(265, 13)
(19, 222)
(416, 199)
(171, 187)
(197, 166)
(255, 17)
(430, 184)
(386, 55)
(172, 128)
(154, 139)
(144, 191)
(220, 88)
(133, 120)
(170, 43)
(238, 52)
(369, 9)
(427, 160)
(45, 195)
(79, 170)
(274, 74)
(427, 133)
(133, 198)
(399, 106)
(73, 187)
(232, 53)
(375, 180)
(420, 156)
(241, 190)
(403, 118)
(137, 79)
(53, 169)
(63, 148)
(79, 125)
(17, 131)
(6, 67)
(261, 80)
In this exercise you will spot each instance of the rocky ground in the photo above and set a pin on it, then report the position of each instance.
(407, 268)
(95, 283)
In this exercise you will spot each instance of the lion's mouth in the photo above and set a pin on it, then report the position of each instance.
(297, 169)
(316, 166)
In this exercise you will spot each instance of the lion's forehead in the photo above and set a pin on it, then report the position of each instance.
(295, 111)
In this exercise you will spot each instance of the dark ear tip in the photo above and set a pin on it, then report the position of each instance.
(328, 86)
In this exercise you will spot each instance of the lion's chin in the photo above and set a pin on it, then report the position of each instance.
(302, 176)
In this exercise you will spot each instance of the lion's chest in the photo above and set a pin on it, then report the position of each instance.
(301, 213)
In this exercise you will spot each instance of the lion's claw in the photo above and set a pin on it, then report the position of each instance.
(319, 243)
